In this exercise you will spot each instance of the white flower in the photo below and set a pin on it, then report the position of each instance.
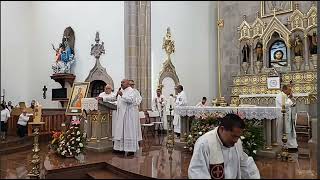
(78, 132)
(242, 137)
(72, 142)
(190, 136)
(200, 133)
(78, 151)
(254, 151)
(78, 139)
(80, 144)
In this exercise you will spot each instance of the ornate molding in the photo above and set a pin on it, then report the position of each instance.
(168, 70)
(312, 17)
(98, 72)
(296, 19)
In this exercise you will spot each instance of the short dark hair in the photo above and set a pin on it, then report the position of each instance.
(180, 87)
(284, 87)
(204, 98)
(232, 120)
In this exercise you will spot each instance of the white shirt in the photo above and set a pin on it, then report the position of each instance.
(201, 105)
(231, 161)
(5, 114)
(108, 97)
(23, 119)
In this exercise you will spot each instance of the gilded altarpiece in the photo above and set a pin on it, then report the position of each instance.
(272, 48)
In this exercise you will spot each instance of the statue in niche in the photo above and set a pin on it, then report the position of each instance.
(168, 43)
(259, 51)
(297, 46)
(313, 43)
(64, 57)
(245, 53)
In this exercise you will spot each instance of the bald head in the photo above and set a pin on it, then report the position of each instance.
(108, 89)
(125, 83)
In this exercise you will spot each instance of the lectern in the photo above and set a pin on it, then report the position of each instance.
(98, 124)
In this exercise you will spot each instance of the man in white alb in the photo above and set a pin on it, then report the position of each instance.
(109, 96)
(181, 100)
(126, 135)
(203, 102)
(218, 154)
(159, 105)
(283, 99)
(136, 104)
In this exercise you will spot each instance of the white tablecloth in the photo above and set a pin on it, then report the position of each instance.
(247, 112)
(90, 104)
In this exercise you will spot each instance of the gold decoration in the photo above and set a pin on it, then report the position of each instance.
(168, 44)
(35, 171)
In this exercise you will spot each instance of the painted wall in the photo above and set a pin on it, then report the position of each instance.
(193, 28)
(47, 21)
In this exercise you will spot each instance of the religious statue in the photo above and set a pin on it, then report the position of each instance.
(168, 43)
(64, 57)
(259, 51)
(297, 46)
(97, 49)
(313, 43)
(245, 53)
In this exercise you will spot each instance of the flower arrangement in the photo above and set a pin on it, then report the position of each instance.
(252, 139)
(72, 142)
(56, 136)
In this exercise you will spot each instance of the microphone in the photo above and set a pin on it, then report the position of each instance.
(118, 91)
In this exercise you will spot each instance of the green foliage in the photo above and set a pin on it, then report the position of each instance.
(252, 139)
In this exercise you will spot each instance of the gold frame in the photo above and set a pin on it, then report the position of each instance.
(262, 9)
(70, 110)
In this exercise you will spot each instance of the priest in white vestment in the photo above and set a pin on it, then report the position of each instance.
(202, 103)
(136, 104)
(283, 99)
(126, 136)
(218, 154)
(109, 96)
(181, 100)
(159, 105)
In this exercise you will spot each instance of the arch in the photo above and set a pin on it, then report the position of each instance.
(168, 70)
(99, 73)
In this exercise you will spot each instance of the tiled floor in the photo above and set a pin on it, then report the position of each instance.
(152, 160)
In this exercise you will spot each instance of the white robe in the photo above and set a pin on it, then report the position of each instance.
(112, 99)
(137, 102)
(126, 136)
(201, 105)
(181, 100)
(210, 158)
(290, 123)
(159, 106)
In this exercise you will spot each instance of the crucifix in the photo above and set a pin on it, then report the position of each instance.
(44, 89)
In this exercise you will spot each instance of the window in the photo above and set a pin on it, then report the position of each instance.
(97, 87)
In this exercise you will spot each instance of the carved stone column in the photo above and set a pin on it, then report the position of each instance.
(137, 31)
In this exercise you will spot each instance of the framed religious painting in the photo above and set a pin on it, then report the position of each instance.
(279, 7)
(78, 92)
(273, 82)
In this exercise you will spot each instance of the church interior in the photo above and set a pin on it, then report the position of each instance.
(61, 60)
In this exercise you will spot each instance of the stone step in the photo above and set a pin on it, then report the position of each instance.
(104, 174)
(17, 148)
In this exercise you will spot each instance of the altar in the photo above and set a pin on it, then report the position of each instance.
(265, 115)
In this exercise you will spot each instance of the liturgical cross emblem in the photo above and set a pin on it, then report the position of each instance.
(217, 171)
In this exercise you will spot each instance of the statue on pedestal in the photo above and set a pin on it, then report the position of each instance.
(65, 53)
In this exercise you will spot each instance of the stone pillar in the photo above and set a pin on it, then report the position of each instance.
(137, 32)
(251, 57)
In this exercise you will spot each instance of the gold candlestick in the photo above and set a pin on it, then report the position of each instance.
(35, 171)
(170, 137)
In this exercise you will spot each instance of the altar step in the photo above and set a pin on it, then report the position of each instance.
(15, 144)
(112, 172)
